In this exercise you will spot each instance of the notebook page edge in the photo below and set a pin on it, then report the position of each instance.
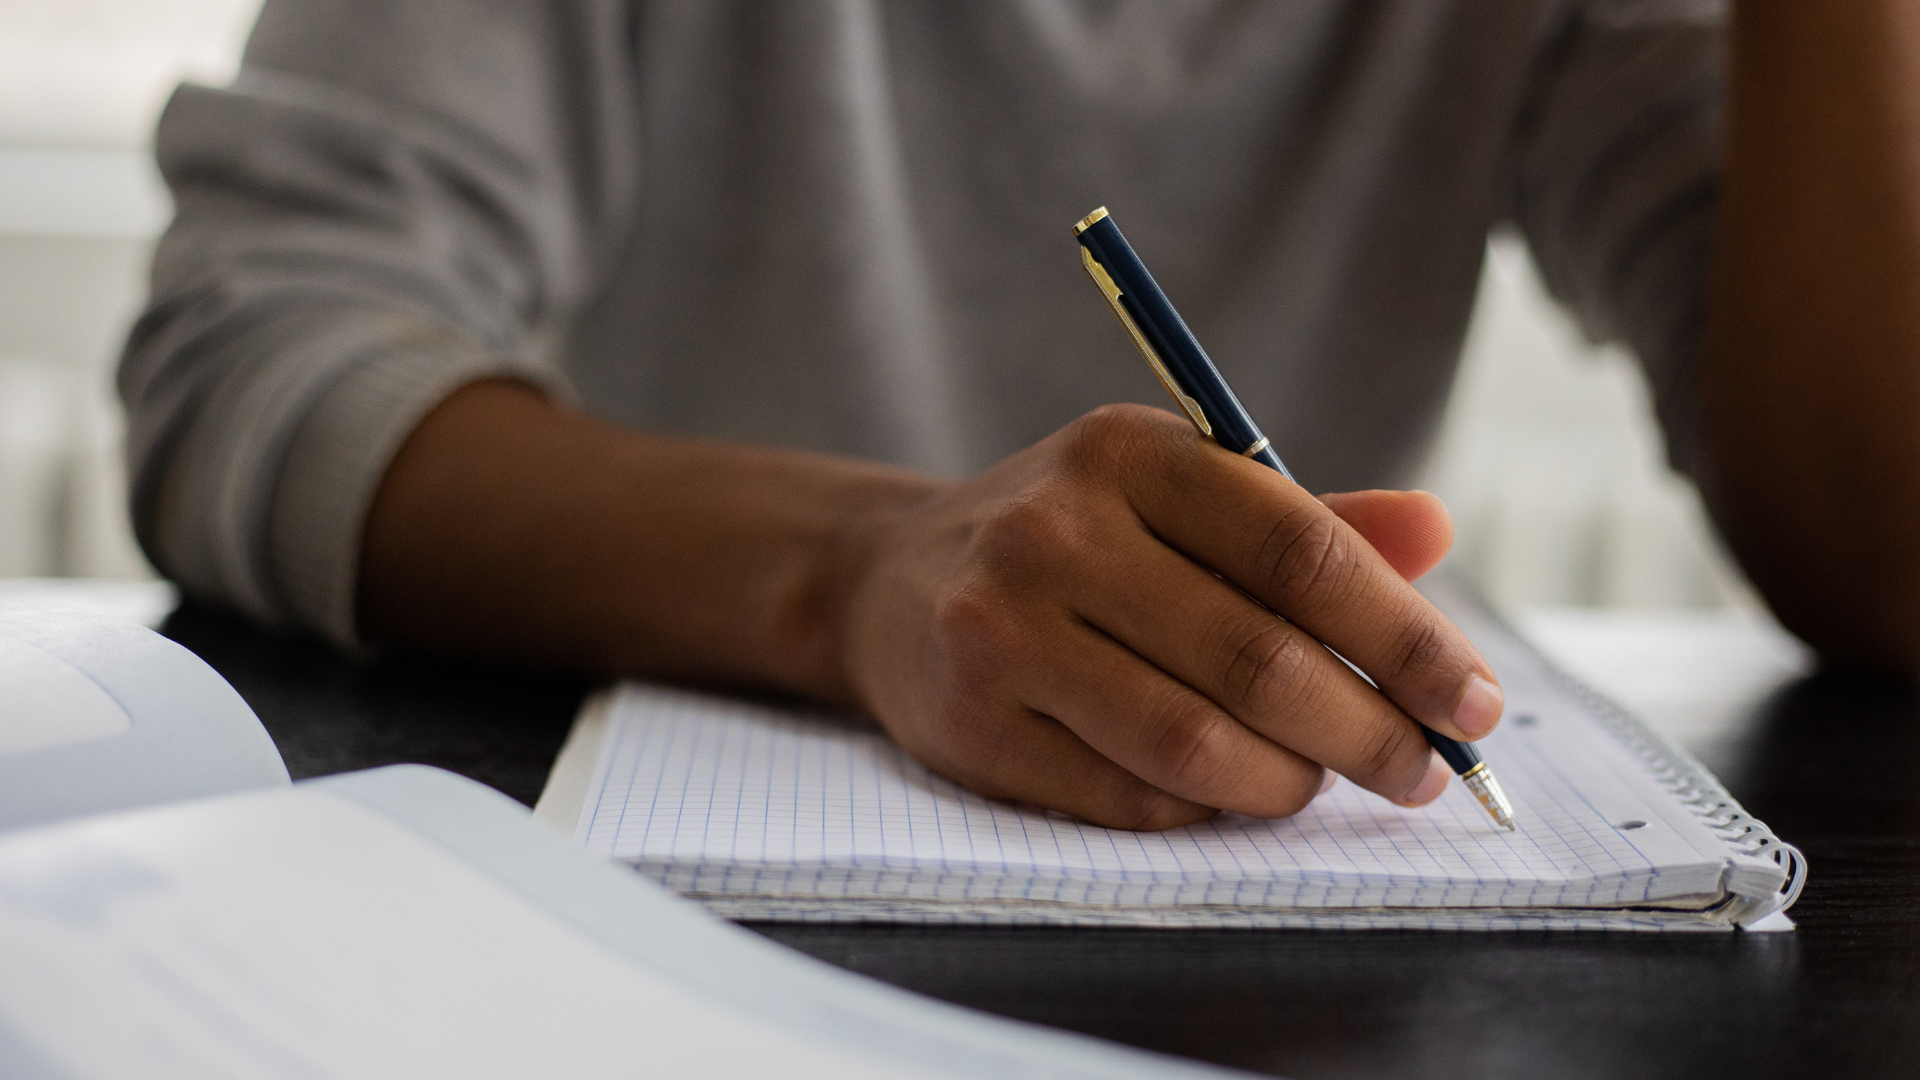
(750, 909)
(563, 801)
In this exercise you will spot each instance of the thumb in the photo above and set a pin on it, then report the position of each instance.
(1410, 529)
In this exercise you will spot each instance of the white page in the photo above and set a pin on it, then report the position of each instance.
(99, 714)
(50, 703)
(406, 922)
(303, 935)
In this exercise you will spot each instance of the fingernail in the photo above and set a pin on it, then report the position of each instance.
(1479, 707)
(1431, 785)
(1326, 783)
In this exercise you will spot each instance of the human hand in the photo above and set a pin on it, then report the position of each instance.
(1054, 632)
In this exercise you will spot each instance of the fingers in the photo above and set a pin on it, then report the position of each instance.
(1253, 673)
(1022, 756)
(1164, 732)
(1293, 554)
(1055, 632)
(1410, 529)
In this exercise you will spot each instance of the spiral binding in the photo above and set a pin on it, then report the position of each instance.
(1686, 779)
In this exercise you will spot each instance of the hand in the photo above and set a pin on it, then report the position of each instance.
(1055, 632)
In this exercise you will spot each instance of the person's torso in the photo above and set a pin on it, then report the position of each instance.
(854, 224)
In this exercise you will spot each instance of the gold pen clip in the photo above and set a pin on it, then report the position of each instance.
(1112, 292)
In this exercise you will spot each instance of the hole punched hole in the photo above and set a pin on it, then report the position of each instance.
(1628, 825)
(1526, 720)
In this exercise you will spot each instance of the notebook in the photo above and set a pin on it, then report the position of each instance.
(771, 811)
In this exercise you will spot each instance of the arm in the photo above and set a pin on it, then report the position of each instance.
(1740, 204)
(1049, 632)
(1810, 382)
(332, 428)
(385, 205)
(510, 528)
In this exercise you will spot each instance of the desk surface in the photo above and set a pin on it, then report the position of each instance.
(1832, 763)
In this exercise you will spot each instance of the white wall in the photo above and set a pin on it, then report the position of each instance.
(81, 82)
(93, 73)
(1549, 458)
(1553, 465)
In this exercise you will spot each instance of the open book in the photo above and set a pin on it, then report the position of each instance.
(765, 811)
(400, 922)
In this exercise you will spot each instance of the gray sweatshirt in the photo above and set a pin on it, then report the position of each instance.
(845, 226)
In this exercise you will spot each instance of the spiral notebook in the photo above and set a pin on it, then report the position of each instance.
(767, 811)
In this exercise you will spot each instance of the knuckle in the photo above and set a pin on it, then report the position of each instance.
(1035, 528)
(1392, 748)
(1290, 799)
(1267, 666)
(1195, 748)
(1111, 432)
(975, 622)
(1307, 555)
(1140, 808)
(1421, 646)
(965, 611)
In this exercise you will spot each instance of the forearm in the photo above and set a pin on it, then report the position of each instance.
(1123, 621)
(1810, 381)
(512, 528)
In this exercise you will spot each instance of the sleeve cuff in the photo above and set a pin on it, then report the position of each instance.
(335, 464)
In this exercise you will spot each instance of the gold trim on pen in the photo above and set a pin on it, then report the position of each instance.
(1486, 789)
(1087, 222)
(1112, 292)
(1256, 447)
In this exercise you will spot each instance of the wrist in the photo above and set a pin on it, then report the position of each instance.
(817, 632)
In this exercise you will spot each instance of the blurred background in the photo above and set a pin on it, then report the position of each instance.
(81, 82)
(1549, 459)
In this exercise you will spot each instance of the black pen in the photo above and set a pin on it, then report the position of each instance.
(1197, 386)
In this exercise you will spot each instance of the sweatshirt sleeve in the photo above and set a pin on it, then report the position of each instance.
(1616, 176)
(392, 200)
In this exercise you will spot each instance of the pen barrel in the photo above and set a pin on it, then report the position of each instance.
(1271, 460)
(1178, 349)
(1460, 757)
(1178, 358)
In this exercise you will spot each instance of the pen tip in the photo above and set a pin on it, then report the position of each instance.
(1486, 789)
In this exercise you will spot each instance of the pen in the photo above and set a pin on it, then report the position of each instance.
(1197, 386)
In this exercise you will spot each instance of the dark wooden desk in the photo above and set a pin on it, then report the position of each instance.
(1832, 764)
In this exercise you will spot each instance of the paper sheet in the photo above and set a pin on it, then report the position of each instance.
(188, 968)
(403, 922)
(763, 809)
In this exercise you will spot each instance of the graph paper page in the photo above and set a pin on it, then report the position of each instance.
(726, 796)
(699, 781)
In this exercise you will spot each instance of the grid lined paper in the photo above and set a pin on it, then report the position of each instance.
(728, 798)
(765, 810)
